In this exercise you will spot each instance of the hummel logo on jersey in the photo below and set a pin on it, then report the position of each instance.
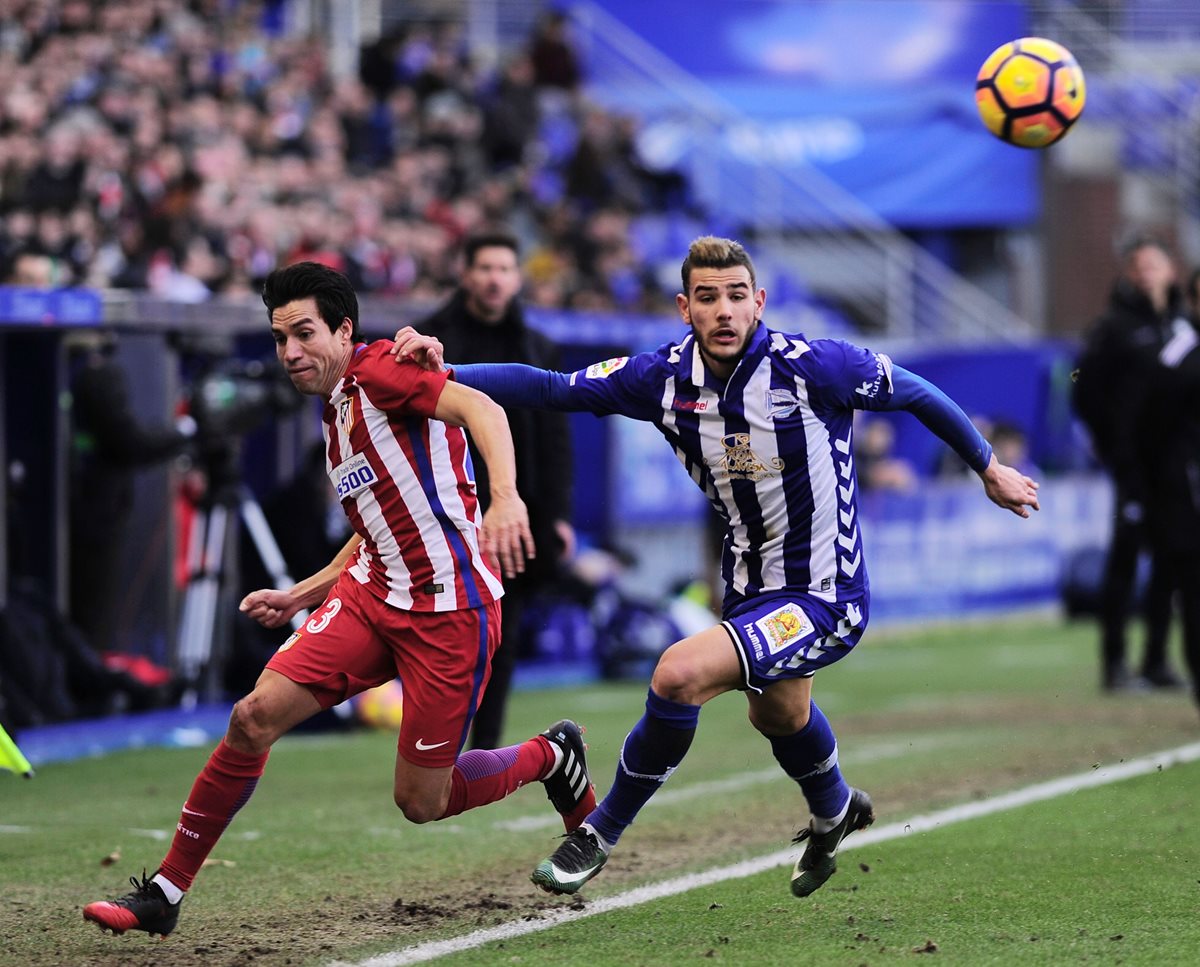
(423, 746)
(791, 348)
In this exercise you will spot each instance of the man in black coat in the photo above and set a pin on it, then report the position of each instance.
(1170, 447)
(484, 323)
(1116, 370)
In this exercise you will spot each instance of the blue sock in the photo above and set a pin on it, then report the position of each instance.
(810, 757)
(650, 754)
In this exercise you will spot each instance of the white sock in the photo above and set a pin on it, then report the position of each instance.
(170, 890)
(589, 828)
(558, 758)
(822, 825)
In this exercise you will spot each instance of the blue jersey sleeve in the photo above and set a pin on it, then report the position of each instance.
(614, 386)
(511, 384)
(941, 414)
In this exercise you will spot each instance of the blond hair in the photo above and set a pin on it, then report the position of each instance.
(710, 252)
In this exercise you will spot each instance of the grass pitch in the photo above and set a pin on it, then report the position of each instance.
(320, 866)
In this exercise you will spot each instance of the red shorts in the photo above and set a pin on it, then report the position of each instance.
(443, 658)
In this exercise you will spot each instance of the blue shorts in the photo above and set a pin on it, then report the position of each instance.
(792, 634)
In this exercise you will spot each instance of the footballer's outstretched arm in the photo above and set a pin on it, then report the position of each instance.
(509, 384)
(515, 384)
(941, 415)
(506, 524)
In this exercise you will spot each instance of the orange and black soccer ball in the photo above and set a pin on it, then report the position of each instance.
(1029, 92)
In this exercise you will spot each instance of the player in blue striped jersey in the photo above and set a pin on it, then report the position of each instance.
(762, 420)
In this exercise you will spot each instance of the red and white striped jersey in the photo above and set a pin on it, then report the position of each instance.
(406, 484)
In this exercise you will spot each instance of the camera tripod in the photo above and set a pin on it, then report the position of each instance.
(211, 544)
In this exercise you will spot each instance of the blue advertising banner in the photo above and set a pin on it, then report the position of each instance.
(649, 485)
(1027, 387)
(878, 97)
(64, 307)
(942, 551)
(946, 551)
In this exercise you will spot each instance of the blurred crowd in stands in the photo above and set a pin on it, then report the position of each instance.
(189, 147)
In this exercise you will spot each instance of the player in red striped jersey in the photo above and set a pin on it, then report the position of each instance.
(415, 593)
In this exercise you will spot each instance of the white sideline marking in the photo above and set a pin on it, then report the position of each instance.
(918, 824)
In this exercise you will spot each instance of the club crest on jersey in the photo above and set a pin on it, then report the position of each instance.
(781, 404)
(345, 417)
(784, 626)
(292, 639)
(741, 461)
(351, 477)
(607, 368)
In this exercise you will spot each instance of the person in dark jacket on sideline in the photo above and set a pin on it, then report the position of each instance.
(109, 446)
(483, 322)
(1170, 447)
(1116, 370)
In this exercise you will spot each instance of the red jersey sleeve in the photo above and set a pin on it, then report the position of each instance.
(402, 387)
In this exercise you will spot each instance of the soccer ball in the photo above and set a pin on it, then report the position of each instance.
(381, 707)
(1029, 92)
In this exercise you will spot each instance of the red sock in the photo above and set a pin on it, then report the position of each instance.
(221, 789)
(482, 776)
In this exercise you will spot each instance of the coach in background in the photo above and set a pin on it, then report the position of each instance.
(1116, 369)
(484, 323)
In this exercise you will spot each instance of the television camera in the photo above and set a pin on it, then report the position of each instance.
(231, 397)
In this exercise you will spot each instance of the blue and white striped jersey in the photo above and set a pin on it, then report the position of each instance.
(771, 448)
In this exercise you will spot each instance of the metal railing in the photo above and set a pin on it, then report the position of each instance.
(1148, 60)
(840, 248)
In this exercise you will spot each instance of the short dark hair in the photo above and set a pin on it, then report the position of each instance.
(710, 252)
(474, 243)
(1141, 240)
(1004, 430)
(330, 289)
